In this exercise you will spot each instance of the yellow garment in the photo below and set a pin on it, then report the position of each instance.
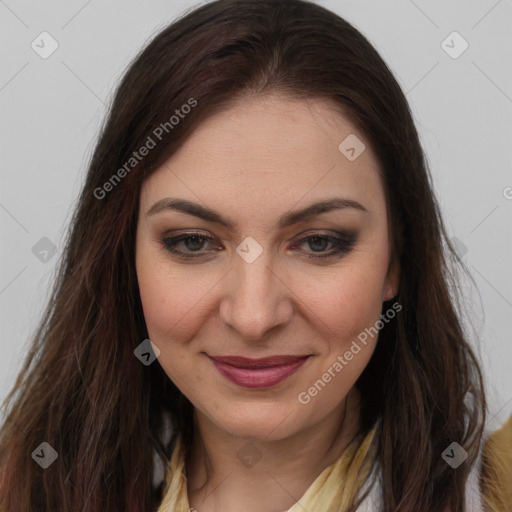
(496, 479)
(332, 490)
(326, 489)
(176, 497)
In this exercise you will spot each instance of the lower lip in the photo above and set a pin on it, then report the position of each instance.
(260, 377)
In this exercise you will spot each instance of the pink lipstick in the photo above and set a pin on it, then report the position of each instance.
(257, 373)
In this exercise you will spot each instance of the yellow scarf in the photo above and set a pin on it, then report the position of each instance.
(325, 493)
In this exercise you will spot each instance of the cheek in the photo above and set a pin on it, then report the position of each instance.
(346, 302)
(171, 311)
(346, 318)
(346, 298)
(171, 301)
(157, 297)
(345, 308)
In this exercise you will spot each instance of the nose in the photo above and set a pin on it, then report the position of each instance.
(256, 299)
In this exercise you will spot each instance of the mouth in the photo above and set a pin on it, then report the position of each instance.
(258, 373)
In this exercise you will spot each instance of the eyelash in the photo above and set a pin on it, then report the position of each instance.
(342, 245)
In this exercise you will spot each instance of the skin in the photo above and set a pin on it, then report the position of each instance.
(261, 158)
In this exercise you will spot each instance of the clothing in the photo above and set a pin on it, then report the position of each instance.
(326, 494)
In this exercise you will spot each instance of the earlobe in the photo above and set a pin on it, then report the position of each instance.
(392, 281)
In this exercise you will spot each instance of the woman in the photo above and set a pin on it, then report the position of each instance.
(258, 206)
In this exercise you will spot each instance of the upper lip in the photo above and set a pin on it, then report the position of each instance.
(262, 362)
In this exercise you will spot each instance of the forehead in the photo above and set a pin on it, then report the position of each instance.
(272, 150)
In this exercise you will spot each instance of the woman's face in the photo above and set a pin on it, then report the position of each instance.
(251, 280)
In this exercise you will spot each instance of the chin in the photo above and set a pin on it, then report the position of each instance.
(259, 423)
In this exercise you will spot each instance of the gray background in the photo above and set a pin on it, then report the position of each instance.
(51, 110)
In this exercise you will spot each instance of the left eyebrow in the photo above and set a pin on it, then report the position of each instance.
(288, 219)
(315, 209)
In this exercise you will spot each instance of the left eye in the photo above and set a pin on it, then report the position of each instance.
(321, 246)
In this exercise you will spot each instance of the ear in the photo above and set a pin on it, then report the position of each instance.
(392, 281)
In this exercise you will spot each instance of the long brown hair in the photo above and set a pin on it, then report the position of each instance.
(81, 388)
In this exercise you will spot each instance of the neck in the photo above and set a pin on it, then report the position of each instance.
(221, 477)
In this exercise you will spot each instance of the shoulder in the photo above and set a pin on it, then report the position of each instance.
(496, 469)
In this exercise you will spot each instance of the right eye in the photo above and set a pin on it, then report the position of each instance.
(191, 245)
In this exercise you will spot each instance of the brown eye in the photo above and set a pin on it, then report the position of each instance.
(187, 245)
